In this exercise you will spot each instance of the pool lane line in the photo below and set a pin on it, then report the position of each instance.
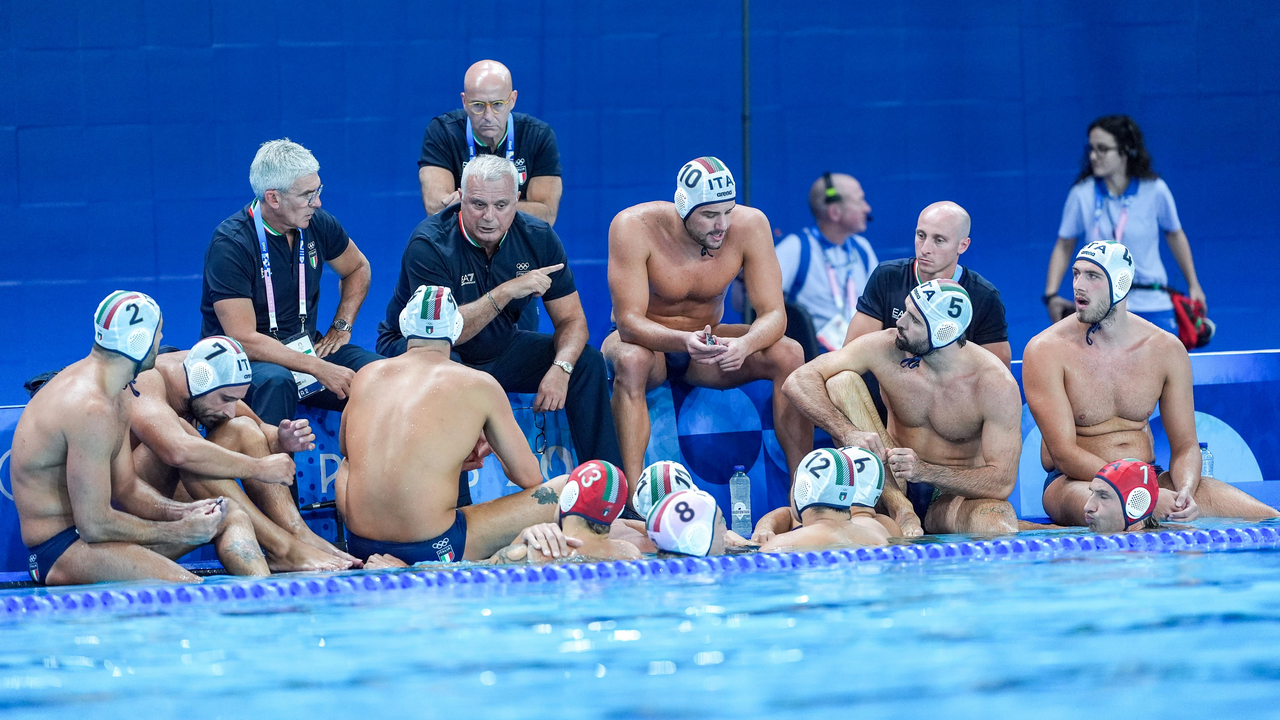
(270, 589)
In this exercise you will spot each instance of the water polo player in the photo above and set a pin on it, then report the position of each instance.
(835, 491)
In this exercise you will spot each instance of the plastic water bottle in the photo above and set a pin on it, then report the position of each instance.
(740, 498)
(1206, 460)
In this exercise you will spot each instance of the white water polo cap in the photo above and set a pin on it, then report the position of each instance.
(824, 479)
(703, 181)
(946, 309)
(1117, 264)
(431, 314)
(126, 323)
(868, 475)
(684, 522)
(658, 481)
(216, 362)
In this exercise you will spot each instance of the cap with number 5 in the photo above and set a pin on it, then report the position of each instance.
(684, 522)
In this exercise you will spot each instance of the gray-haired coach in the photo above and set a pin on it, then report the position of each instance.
(262, 287)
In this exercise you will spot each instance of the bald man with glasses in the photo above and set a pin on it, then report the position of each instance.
(487, 125)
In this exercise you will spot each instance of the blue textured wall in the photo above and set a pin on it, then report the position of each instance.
(127, 127)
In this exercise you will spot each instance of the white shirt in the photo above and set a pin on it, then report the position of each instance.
(853, 261)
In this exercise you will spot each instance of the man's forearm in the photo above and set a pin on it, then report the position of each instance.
(352, 291)
(776, 521)
(264, 348)
(766, 330)
(808, 393)
(570, 338)
(988, 481)
(116, 526)
(477, 315)
(199, 457)
(143, 501)
(542, 211)
(1184, 469)
(1077, 463)
(640, 330)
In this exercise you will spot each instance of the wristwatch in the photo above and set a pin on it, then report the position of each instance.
(564, 365)
(341, 325)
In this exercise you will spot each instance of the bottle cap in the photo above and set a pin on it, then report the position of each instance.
(742, 468)
(1204, 446)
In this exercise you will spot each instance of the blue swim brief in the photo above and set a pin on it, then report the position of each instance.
(448, 547)
(1055, 473)
(44, 555)
(922, 496)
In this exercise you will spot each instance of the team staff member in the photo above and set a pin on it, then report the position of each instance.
(495, 260)
(825, 267)
(487, 126)
(942, 235)
(262, 287)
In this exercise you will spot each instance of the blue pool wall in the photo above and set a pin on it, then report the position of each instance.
(127, 127)
(1236, 398)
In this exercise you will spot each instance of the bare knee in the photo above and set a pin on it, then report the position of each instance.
(240, 434)
(631, 366)
(784, 357)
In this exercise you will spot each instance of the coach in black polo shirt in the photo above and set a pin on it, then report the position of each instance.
(496, 260)
(239, 295)
(942, 234)
(487, 126)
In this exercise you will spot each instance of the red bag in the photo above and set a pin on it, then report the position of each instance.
(1195, 329)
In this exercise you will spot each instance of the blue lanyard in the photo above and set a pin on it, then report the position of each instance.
(266, 272)
(850, 293)
(511, 139)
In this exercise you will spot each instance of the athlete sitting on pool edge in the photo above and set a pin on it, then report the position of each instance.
(411, 424)
(835, 494)
(1093, 381)
(592, 499)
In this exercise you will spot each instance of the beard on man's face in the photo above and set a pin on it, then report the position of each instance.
(918, 348)
(206, 417)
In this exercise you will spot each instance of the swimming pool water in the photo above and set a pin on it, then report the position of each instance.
(1099, 634)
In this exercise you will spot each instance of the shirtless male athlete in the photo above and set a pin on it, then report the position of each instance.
(687, 522)
(1093, 380)
(206, 387)
(670, 265)
(593, 497)
(1123, 496)
(955, 414)
(409, 427)
(835, 494)
(83, 511)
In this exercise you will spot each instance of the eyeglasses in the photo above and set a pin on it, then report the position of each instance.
(1100, 149)
(477, 107)
(540, 423)
(312, 196)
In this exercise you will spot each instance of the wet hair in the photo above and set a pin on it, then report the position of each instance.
(1129, 143)
(278, 165)
(1151, 523)
(598, 528)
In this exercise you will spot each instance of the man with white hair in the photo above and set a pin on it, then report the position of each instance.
(262, 287)
(496, 260)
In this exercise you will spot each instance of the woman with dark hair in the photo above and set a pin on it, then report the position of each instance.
(1118, 197)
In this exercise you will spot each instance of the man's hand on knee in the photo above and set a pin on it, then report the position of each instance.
(277, 469)
(552, 391)
(866, 440)
(336, 378)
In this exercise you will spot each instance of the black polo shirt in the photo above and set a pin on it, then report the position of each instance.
(233, 269)
(885, 298)
(536, 153)
(439, 254)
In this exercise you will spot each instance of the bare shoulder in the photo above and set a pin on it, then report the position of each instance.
(640, 218)
(624, 550)
(998, 389)
(1050, 341)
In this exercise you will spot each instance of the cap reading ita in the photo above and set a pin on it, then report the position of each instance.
(703, 181)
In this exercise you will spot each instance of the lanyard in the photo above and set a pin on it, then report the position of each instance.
(511, 139)
(850, 296)
(266, 273)
(1099, 201)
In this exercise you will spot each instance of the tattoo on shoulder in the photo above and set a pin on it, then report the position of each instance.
(546, 496)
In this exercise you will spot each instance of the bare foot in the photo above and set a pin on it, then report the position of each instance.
(309, 537)
(384, 562)
(301, 557)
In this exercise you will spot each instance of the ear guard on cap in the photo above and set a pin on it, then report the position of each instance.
(216, 362)
(868, 475)
(1136, 484)
(1116, 263)
(126, 323)
(703, 181)
(595, 490)
(946, 309)
(684, 522)
(824, 478)
(431, 314)
(658, 481)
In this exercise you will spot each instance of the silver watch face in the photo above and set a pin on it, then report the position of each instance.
(565, 365)
(342, 325)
